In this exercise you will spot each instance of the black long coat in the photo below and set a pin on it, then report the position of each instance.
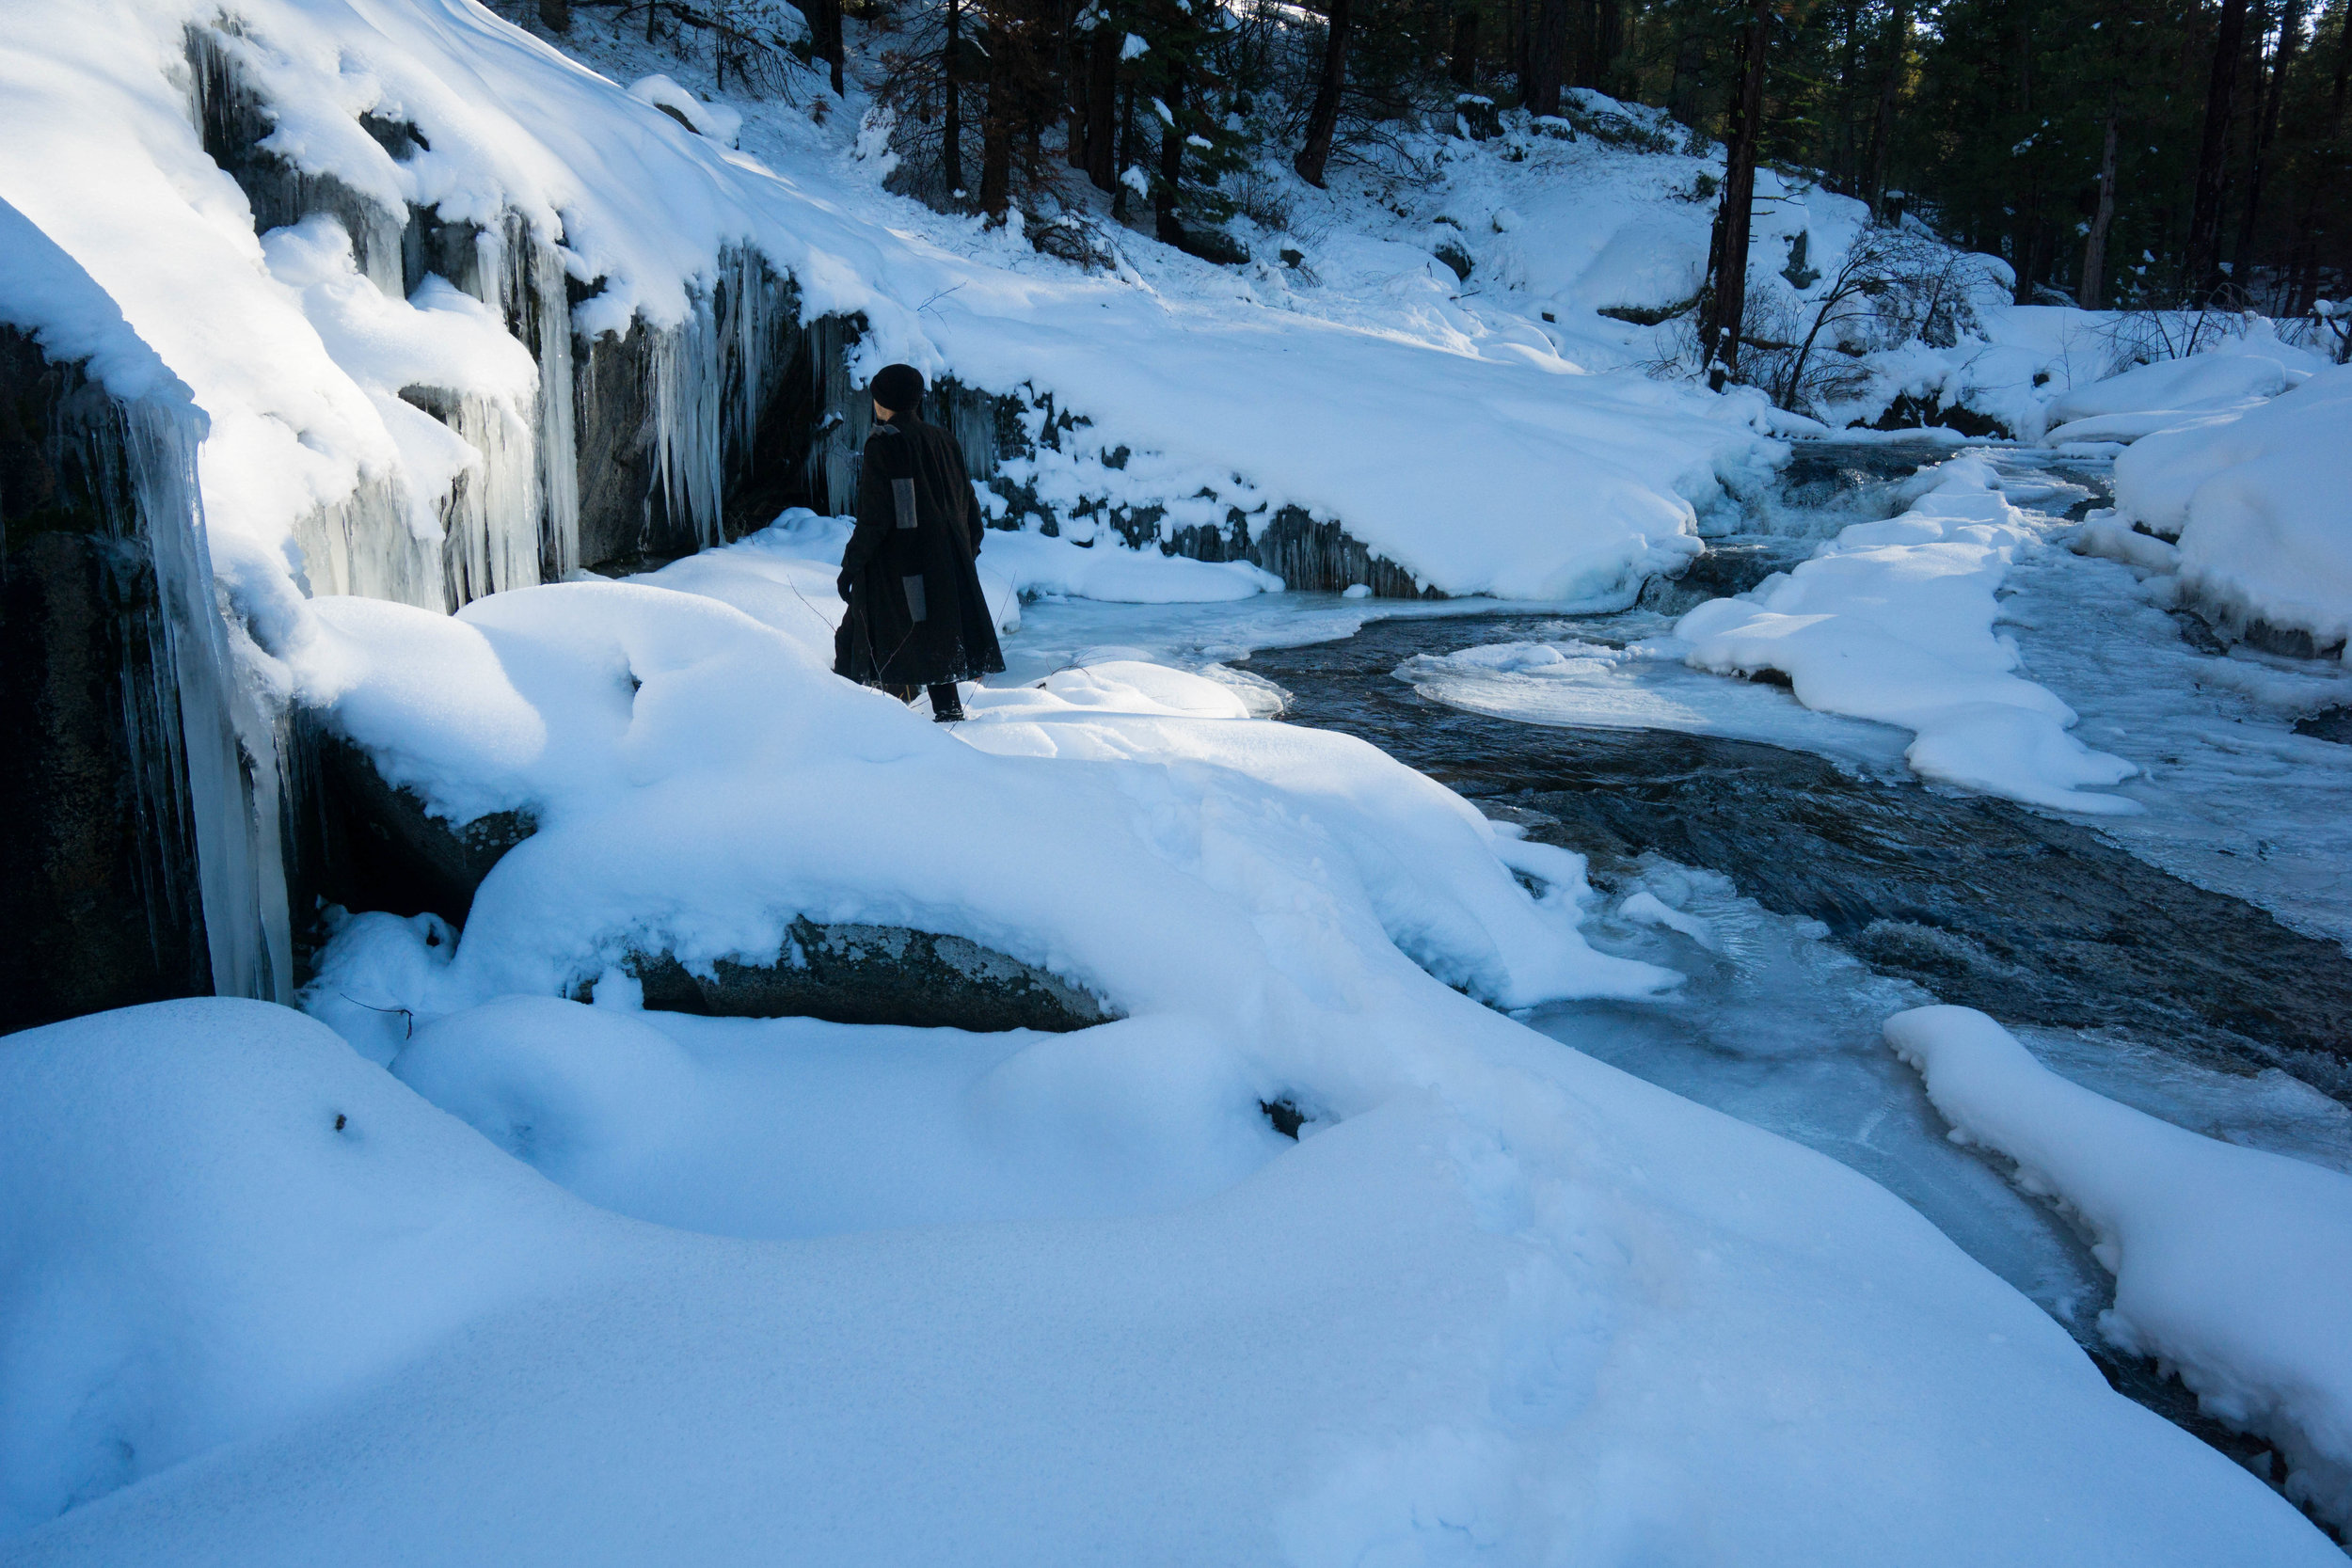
(916, 614)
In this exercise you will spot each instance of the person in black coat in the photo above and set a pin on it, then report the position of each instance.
(916, 614)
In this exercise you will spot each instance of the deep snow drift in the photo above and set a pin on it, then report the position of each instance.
(1497, 1308)
(1016, 1298)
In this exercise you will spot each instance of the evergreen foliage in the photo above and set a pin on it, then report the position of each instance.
(2070, 138)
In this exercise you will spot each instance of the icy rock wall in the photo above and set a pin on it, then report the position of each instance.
(139, 830)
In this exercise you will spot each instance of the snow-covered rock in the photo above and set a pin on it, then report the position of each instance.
(2260, 501)
(2170, 393)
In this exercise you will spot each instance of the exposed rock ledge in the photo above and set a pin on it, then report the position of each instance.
(372, 846)
(851, 974)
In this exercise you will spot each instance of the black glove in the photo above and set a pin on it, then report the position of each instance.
(841, 586)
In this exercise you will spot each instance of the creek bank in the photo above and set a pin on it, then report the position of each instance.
(2031, 918)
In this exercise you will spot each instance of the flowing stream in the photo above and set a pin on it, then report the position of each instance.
(1808, 885)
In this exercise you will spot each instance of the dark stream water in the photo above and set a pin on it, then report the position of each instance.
(1918, 894)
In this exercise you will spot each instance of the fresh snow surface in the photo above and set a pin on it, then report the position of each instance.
(1499, 1301)
(700, 776)
(2231, 379)
(2232, 1265)
(1893, 622)
(2260, 501)
(898, 1295)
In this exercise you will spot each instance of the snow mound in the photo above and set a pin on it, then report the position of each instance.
(2258, 503)
(1893, 620)
(2170, 393)
(218, 1218)
(2232, 1265)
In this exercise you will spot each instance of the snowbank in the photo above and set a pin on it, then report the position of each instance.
(1498, 1295)
(2232, 1265)
(2148, 398)
(1893, 620)
(2261, 504)
(1109, 571)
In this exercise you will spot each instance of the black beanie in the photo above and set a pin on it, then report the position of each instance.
(898, 387)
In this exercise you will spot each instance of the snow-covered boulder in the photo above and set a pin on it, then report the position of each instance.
(2261, 504)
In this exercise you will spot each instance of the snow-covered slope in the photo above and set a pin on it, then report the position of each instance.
(1467, 449)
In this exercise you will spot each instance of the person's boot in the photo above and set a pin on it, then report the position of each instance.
(946, 703)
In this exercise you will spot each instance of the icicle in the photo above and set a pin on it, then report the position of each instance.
(491, 523)
(223, 744)
(363, 545)
(688, 452)
(559, 446)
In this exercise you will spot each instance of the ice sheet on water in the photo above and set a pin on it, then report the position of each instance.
(1779, 1028)
(2234, 800)
(1642, 685)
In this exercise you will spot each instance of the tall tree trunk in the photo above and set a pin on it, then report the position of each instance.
(1000, 122)
(1882, 123)
(2281, 60)
(2201, 272)
(1546, 50)
(1607, 41)
(1102, 107)
(1171, 179)
(1077, 82)
(824, 35)
(1126, 159)
(1727, 266)
(2093, 286)
(1464, 58)
(951, 127)
(1325, 119)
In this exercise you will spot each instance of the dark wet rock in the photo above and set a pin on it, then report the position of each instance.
(1283, 1116)
(366, 843)
(1730, 566)
(2334, 724)
(852, 973)
(2032, 919)
(1908, 413)
(2199, 634)
(99, 884)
